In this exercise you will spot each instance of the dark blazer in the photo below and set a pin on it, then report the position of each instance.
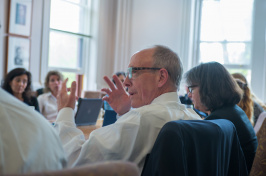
(196, 147)
(32, 102)
(245, 131)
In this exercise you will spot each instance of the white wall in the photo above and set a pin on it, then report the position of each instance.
(156, 23)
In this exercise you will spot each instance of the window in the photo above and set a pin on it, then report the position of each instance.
(68, 36)
(226, 34)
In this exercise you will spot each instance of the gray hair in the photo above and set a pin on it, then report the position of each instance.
(166, 58)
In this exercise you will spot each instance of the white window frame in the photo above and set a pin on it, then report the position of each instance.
(258, 46)
(198, 41)
(45, 46)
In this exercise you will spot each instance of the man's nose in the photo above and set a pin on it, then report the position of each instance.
(127, 82)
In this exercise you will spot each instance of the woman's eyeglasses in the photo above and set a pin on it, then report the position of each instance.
(190, 88)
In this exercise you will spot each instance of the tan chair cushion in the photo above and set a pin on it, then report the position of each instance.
(111, 168)
(93, 94)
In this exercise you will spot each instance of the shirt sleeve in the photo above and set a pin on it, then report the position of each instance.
(113, 142)
(71, 137)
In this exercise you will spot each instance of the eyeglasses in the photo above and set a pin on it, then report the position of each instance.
(130, 69)
(190, 88)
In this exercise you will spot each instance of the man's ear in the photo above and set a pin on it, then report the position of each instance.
(163, 73)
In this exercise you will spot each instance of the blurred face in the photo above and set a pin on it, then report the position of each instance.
(54, 84)
(142, 87)
(121, 78)
(193, 94)
(19, 84)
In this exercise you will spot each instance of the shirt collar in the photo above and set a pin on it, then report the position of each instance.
(51, 95)
(170, 96)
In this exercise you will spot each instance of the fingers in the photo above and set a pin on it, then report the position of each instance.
(118, 83)
(73, 89)
(64, 87)
(105, 98)
(109, 82)
(106, 90)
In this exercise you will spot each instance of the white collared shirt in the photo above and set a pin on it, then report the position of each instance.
(130, 138)
(28, 143)
(48, 106)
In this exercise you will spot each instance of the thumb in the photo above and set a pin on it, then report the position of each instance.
(72, 96)
(73, 88)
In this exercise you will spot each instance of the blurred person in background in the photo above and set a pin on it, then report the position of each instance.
(18, 83)
(48, 101)
(122, 76)
(258, 105)
(246, 102)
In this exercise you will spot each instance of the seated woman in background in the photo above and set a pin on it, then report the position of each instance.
(18, 83)
(258, 105)
(214, 91)
(122, 76)
(246, 102)
(48, 101)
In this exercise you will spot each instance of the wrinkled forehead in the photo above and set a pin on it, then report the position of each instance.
(142, 58)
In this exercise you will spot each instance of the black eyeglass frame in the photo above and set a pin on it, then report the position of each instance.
(130, 69)
(190, 88)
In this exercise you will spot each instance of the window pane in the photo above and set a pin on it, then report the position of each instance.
(225, 32)
(226, 20)
(65, 50)
(236, 19)
(71, 77)
(211, 26)
(211, 52)
(70, 17)
(238, 53)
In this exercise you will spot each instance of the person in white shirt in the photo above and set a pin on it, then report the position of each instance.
(48, 101)
(28, 143)
(152, 80)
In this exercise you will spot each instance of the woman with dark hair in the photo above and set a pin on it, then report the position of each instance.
(18, 83)
(48, 101)
(214, 91)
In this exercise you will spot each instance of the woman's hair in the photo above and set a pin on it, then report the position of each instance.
(47, 78)
(253, 96)
(14, 73)
(166, 58)
(240, 76)
(246, 102)
(217, 87)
